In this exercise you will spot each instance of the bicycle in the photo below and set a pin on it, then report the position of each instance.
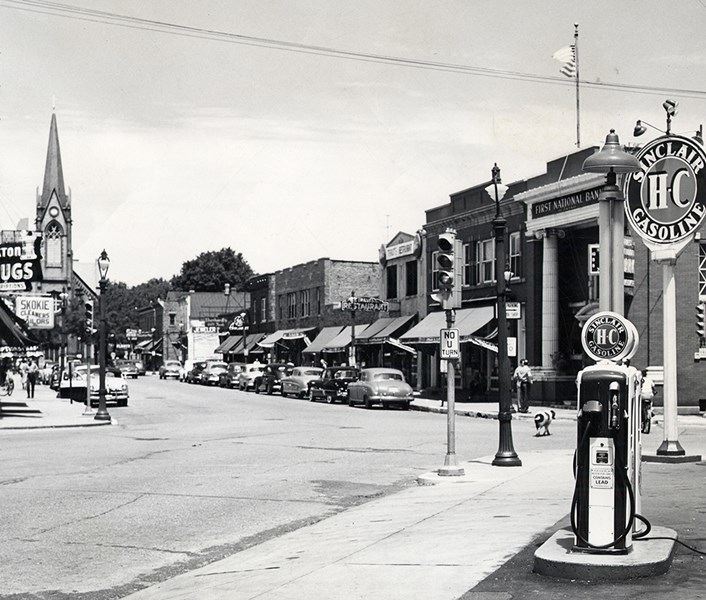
(8, 387)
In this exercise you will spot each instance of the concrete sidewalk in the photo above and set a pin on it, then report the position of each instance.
(430, 541)
(43, 411)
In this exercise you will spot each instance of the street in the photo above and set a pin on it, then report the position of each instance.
(191, 474)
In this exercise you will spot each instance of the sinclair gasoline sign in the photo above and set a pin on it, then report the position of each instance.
(666, 199)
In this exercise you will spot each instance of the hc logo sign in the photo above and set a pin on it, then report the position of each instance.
(666, 200)
(608, 336)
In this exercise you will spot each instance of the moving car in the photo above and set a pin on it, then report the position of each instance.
(333, 385)
(75, 387)
(246, 379)
(212, 372)
(270, 380)
(170, 368)
(140, 367)
(380, 386)
(297, 384)
(127, 368)
(229, 378)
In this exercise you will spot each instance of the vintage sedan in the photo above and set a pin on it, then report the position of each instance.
(170, 368)
(380, 386)
(333, 385)
(127, 367)
(229, 377)
(298, 383)
(270, 380)
(212, 372)
(74, 387)
(246, 379)
(193, 374)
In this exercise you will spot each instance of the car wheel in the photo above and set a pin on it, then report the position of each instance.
(329, 399)
(269, 389)
(284, 394)
(405, 406)
(386, 405)
(368, 404)
(350, 401)
(311, 395)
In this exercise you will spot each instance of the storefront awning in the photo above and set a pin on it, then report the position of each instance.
(324, 337)
(391, 330)
(343, 339)
(12, 330)
(228, 344)
(468, 322)
(373, 330)
(397, 344)
(284, 335)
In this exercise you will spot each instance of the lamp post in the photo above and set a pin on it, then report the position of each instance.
(506, 455)
(102, 414)
(244, 317)
(352, 302)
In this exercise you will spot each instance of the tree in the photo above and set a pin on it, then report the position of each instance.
(210, 271)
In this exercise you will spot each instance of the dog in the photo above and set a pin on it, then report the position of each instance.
(542, 420)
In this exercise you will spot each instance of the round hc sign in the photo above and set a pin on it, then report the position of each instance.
(666, 199)
(609, 336)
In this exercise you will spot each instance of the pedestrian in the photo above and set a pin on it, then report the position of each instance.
(523, 380)
(32, 374)
(23, 373)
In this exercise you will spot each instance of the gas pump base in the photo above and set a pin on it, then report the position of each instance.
(649, 557)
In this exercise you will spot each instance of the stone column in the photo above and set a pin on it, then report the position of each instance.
(550, 297)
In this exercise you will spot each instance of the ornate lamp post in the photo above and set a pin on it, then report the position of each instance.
(102, 414)
(506, 455)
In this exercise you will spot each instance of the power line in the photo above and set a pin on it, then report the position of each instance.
(110, 18)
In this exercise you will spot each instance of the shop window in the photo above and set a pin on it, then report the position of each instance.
(515, 254)
(263, 310)
(280, 304)
(411, 278)
(469, 265)
(391, 273)
(319, 300)
(172, 318)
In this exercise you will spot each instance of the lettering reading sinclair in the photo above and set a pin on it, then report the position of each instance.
(606, 337)
(666, 199)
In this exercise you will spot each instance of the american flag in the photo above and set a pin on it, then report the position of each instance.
(567, 55)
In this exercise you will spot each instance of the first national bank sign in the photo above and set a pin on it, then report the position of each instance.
(666, 199)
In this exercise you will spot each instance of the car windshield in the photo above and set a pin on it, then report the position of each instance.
(217, 366)
(172, 363)
(388, 376)
(95, 372)
(314, 372)
(257, 369)
(347, 374)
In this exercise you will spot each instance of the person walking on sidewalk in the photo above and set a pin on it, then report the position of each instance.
(523, 381)
(32, 374)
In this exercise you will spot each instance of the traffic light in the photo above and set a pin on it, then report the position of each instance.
(701, 319)
(445, 260)
(89, 316)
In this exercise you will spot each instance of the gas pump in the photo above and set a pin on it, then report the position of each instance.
(607, 463)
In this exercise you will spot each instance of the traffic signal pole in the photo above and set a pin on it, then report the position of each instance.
(451, 467)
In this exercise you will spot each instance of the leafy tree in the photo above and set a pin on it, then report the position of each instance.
(210, 271)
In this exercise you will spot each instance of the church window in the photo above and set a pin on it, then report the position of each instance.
(54, 245)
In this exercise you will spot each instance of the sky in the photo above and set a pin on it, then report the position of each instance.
(177, 144)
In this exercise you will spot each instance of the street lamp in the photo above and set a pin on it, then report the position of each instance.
(506, 455)
(611, 222)
(102, 414)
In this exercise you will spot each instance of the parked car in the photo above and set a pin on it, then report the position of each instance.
(333, 385)
(246, 379)
(380, 386)
(270, 380)
(193, 375)
(170, 368)
(127, 367)
(212, 372)
(229, 377)
(75, 387)
(297, 384)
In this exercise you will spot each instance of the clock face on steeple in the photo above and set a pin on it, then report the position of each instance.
(54, 212)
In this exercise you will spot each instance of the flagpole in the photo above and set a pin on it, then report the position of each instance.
(578, 105)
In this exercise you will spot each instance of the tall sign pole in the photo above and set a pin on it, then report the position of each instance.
(666, 204)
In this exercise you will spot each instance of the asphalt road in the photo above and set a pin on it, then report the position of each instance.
(192, 474)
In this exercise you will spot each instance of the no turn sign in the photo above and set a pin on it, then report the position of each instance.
(450, 347)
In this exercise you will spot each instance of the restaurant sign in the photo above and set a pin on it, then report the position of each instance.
(666, 198)
(20, 252)
(364, 304)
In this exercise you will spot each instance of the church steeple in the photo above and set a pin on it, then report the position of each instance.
(53, 171)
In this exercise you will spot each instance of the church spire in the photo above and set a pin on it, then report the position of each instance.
(53, 172)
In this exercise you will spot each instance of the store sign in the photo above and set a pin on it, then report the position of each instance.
(364, 304)
(666, 199)
(565, 203)
(37, 311)
(609, 336)
(20, 252)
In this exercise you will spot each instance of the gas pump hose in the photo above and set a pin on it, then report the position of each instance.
(625, 480)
